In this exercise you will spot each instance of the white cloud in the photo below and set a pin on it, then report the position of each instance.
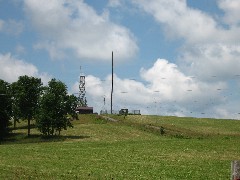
(208, 60)
(209, 49)
(11, 68)
(173, 85)
(75, 26)
(114, 3)
(179, 20)
(11, 27)
(232, 11)
(165, 90)
(1, 24)
(20, 49)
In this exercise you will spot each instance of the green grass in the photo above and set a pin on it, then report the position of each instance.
(132, 148)
(187, 126)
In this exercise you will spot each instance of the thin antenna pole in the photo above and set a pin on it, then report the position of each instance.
(112, 87)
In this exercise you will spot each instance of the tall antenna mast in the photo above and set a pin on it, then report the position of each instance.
(112, 86)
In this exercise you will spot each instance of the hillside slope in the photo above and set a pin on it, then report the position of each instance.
(131, 148)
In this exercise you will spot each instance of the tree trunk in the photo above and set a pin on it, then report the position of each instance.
(15, 121)
(52, 131)
(29, 126)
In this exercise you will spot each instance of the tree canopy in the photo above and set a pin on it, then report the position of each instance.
(28, 99)
(5, 107)
(55, 104)
(26, 93)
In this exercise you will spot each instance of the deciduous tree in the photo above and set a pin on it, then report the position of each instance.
(5, 108)
(27, 91)
(54, 106)
(72, 103)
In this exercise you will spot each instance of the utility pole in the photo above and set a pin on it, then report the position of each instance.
(112, 86)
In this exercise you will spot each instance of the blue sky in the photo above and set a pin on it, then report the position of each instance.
(171, 57)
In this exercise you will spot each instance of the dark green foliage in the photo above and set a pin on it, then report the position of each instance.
(5, 108)
(15, 109)
(71, 105)
(27, 99)
(26, 93)
(162, 130)
(55, 104)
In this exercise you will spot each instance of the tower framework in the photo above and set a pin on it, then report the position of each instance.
(82, 92)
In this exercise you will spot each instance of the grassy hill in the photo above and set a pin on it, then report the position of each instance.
(131, 148)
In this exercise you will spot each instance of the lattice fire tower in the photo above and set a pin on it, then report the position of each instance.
(82, 91)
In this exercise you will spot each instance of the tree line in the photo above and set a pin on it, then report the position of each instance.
(27, 99)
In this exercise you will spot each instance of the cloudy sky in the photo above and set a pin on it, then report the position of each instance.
(171, 57)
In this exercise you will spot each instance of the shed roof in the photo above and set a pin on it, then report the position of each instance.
(84, 108)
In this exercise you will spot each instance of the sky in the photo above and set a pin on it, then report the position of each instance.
(171, 57)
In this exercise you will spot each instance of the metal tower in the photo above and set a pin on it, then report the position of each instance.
(82, 90)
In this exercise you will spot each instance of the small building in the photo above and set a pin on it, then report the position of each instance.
(123, 112)
(135, 112)
(84, 110)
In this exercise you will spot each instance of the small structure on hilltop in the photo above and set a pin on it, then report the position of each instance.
(127, 112)
(84, 110)
(123, 112)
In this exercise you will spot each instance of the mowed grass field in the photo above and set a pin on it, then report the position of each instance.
(132, 148)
